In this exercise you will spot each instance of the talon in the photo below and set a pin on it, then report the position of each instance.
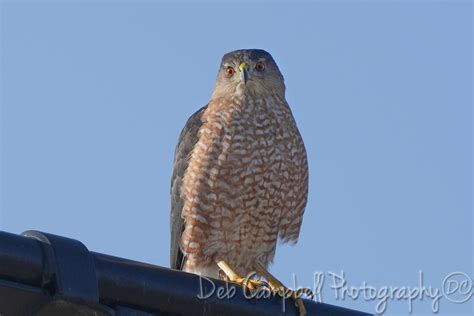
(232, 276)
(271, 283)
(277, 287)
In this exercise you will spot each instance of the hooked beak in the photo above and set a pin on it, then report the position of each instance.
(244, 72)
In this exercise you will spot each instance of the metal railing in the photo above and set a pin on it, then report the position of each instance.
(44, 274)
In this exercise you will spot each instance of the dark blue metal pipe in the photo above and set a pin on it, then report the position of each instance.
(62, 269)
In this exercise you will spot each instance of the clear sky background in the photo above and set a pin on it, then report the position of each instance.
(94, 96)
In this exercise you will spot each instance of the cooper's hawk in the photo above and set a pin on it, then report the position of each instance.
(240, 176)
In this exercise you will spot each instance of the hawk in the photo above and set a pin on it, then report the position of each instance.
(240, 174)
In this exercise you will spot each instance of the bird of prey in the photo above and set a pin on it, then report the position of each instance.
(240, 174)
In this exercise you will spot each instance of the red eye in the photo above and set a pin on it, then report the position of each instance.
(260, 66)
(230, 71)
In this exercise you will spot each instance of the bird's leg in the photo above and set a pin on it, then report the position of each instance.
(232, 276)
(277, 287)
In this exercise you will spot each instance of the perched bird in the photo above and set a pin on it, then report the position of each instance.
(240, 175)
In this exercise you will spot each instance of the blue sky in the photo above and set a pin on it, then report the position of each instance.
(94, 96)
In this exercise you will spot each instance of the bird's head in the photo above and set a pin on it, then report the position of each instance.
(248, 71)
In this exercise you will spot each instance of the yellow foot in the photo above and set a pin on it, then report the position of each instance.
(277, 287)
(232, 276)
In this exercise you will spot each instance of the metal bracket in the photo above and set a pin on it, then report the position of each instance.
(69, 274)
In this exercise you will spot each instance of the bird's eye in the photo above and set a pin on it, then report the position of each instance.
(230, 71)
(260, 66)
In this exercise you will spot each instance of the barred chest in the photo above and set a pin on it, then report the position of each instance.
(242, 176)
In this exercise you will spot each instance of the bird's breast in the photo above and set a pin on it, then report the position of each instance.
(236, 184)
